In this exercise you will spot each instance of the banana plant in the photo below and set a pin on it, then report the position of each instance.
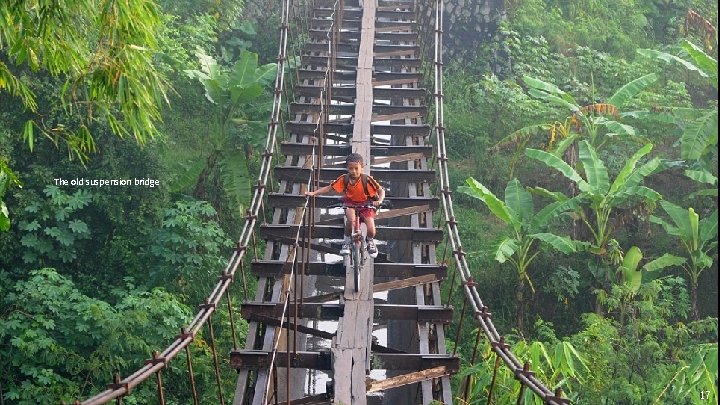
(600, 195)
(526, 227)
(230, 90)
(700, 125)
(597, 122)
(632, 272)
(704, 177)
(698, 238)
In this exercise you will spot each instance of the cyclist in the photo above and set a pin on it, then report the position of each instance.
(358, 189)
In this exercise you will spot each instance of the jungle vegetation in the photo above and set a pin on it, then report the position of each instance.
(585, 179)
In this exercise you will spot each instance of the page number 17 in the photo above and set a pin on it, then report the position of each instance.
(704, 395)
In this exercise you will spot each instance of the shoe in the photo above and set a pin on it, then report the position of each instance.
(372, 249)
(345, 249)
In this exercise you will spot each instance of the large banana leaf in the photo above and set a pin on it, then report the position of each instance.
(701, 176)
(666, 260)
(636, 177)
(559, 165)
(521, 136)
(705, 62)
(631, 274)
(699, 135)
(554, 99)
(680, 218)
(550, 92)
(635, 193)
(595, 171)
(506, 249)
(669, 228)
(618, 129)
(709, 227)
(629, 167)
(564, 144)
(519, 201)
(498, 208)
(666, 57)
(236, 179)
(553, 195)
(554, 210)
(559, 243)
(632, 89)
(667, 115)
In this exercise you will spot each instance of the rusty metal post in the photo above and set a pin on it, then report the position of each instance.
(215, 360)
(472, 361)
(459, 328)
(190, 373)
(525, 370)
(116, 382)
(232, 318)
(158, 378)
(494, 379)
(244, 281)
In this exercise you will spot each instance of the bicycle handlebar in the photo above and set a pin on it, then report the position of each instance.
(384, 204)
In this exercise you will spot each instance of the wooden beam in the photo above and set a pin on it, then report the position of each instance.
(400, 158)
(405, 379)
(404, 283)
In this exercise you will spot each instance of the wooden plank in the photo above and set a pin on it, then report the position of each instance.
(398, 158)
(406, 379)
(354, 334)
(418, 235)
(395, 82)
(292, 148)
(300, 175)
(390, 117)
(404, 283)
(275, 268)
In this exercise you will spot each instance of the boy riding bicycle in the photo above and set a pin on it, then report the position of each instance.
(361, 190)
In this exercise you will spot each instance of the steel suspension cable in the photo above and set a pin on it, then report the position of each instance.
(480, 312)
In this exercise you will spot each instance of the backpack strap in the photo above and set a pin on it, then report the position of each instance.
(363, 178)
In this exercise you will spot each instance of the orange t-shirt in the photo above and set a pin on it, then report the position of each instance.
(354, 191)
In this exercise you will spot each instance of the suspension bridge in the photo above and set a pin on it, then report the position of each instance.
(356, 85)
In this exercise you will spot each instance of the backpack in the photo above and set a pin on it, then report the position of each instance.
(364, 179)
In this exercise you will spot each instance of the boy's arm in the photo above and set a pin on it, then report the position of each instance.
(321, 190)
(381, 196)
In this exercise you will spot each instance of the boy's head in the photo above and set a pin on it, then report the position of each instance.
(354, 164)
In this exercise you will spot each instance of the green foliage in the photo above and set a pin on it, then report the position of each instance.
(104, 52)
(616, 26)
(56, 231)
(188, 251)
(7, 179)
(637, 354)
(60, 343)
(596, 191)
(557, 363)
(231, 135)
(700, 135)
(517, 212)
(697, 237)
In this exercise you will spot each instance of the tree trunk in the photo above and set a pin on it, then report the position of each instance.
(520, 312)
(694, 297)
(200, 191)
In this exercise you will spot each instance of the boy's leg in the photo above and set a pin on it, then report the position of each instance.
(349, 221)
(370, 224)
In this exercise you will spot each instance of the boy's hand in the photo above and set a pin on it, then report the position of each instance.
(377, 203)
(310, 193)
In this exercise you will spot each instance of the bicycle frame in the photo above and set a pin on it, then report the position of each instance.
(359, 248)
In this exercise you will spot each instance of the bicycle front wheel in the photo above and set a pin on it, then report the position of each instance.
(357, 264)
